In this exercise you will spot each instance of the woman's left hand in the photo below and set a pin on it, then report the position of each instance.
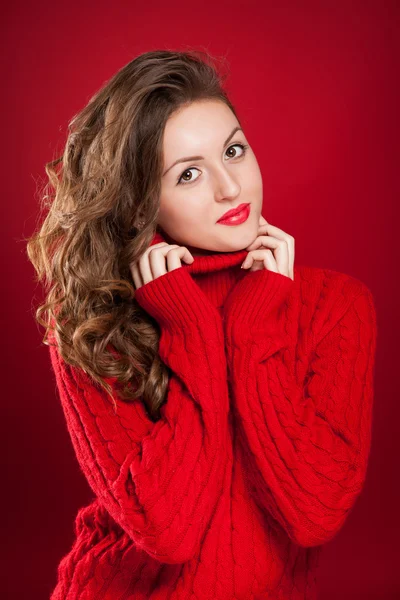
(273, 249)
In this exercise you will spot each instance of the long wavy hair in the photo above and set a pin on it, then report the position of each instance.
(101, 202)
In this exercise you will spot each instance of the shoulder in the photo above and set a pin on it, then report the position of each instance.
(329, 282)
(324, 296)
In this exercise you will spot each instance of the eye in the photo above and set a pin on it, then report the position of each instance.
(183, 182)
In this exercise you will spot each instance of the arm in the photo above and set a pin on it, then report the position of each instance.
(159, 481)
(306, 440)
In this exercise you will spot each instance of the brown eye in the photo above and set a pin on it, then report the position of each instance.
(240, 146)
(185, 173)
(182, 181)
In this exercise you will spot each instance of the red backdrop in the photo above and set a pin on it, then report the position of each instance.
(317, 89)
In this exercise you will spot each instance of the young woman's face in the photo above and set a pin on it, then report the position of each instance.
(195, 193)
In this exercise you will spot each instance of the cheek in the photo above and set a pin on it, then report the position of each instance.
(179, 215)
(254, 183)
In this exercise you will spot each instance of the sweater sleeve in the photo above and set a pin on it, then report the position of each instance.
(160, 481)
(307, 439)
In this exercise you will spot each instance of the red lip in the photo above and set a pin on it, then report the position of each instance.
(233, 211)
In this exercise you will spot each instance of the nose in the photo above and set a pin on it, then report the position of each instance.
(225, 184)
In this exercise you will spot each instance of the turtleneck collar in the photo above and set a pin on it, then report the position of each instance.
(208, 262)
(214, 272)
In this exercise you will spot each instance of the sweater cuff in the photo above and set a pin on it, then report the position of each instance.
(176, 301)
(254, 299)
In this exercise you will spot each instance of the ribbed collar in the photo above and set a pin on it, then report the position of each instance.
(215, 273)
(209, 262)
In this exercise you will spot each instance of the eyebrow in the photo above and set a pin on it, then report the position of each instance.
(189, 158)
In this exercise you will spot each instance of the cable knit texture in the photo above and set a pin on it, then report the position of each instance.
(261, 451)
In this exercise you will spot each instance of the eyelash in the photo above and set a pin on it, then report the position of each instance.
(243, 146)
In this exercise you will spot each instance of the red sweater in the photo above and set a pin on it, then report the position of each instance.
(261, 451)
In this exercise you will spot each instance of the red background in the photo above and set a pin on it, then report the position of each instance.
(317, 89)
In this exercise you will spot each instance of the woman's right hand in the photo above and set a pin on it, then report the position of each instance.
(157, 260)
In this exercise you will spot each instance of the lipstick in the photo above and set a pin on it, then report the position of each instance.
(236, 216)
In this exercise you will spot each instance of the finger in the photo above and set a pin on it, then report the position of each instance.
(280, 252)
(280, 248)
(267, 241)
(163, 259)
(176, 256)
(261, 259)
(283, 235)
(135, 266)
(258, 256)
(262, 230)
(262, 226)
(270, 262)
(137, 279)
(142, 266)
(152, 264)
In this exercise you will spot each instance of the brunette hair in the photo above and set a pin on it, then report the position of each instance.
(103, 187)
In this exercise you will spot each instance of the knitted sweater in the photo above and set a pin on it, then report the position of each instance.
(261, 451)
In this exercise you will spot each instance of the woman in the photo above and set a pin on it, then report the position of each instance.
(221, 415)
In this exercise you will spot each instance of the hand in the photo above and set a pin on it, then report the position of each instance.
(157, 260)
(280, 259)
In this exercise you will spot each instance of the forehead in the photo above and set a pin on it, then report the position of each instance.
(201, 123)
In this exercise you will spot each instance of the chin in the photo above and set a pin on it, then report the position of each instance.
(234, 245)
(235, 238)
(240, 240)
